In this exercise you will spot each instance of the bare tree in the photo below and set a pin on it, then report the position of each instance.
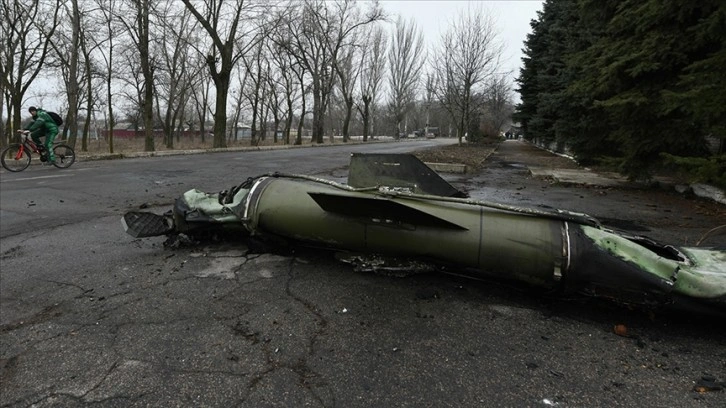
(139, 30)
(256, 72)
(428, 101)
(406, 60)
(238, 100)
(132, 85)
(307, 44)
(103, 44)
(348, 70)
(275, 98)
(173, 79)
(201, 89)
(372, 68)
(470, 55)
(222, 19)
(67, 47)
(498, 104)
(291, 65)
(287, 84)
(300, 74)
(335, 114)
(26, 32)
(91, 89)
(73, 56)
(320, 29)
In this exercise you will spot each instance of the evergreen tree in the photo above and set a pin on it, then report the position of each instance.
(640, 56)
(545, 74)
(625, 80)
(530, 81)
(582, 126)
(702, 84)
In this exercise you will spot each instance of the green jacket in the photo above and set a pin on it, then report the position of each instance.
(42, 125)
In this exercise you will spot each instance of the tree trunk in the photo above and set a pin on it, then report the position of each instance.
(73, 88)
(276, 119)
(220, 114)
(288, 120)
(111, 120)
(366, 117)
(348, 115)
(255, 115)
(301, 123)
(318, 114)
(147, 106)
(263, 119)
(89, 94)
(109, 95)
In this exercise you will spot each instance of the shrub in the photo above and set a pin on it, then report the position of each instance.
(710, 170)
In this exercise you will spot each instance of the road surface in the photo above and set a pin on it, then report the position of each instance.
(90, 316)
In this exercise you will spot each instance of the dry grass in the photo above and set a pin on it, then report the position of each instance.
(472, 155)
(130, 145)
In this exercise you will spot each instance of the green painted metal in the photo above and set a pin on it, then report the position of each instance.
(701, 274)
(533, 246)
(629, 251)
(706, 276)
(551, 249)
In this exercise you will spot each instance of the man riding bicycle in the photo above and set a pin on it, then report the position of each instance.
(43, 125)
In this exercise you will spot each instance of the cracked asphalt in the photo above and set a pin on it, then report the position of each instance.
(219, 324)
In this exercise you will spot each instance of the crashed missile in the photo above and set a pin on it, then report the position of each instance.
(394, 205)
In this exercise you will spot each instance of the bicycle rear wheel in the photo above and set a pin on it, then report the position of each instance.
(64, 156)
(15, 158)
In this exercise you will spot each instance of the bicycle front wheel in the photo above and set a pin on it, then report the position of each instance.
(15, 157)
(64, 156)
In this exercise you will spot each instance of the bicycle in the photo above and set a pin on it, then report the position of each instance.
(17, 156)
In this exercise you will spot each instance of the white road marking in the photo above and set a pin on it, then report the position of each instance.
(37, 178)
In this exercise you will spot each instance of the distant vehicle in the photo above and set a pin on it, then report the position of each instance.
(432, 132)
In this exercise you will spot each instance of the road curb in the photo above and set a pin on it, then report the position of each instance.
(613, 179)
(164, 153)
(457, 168)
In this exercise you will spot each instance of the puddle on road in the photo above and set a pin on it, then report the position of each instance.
(511, 164)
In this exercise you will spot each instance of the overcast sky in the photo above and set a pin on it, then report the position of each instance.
(512, 19)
